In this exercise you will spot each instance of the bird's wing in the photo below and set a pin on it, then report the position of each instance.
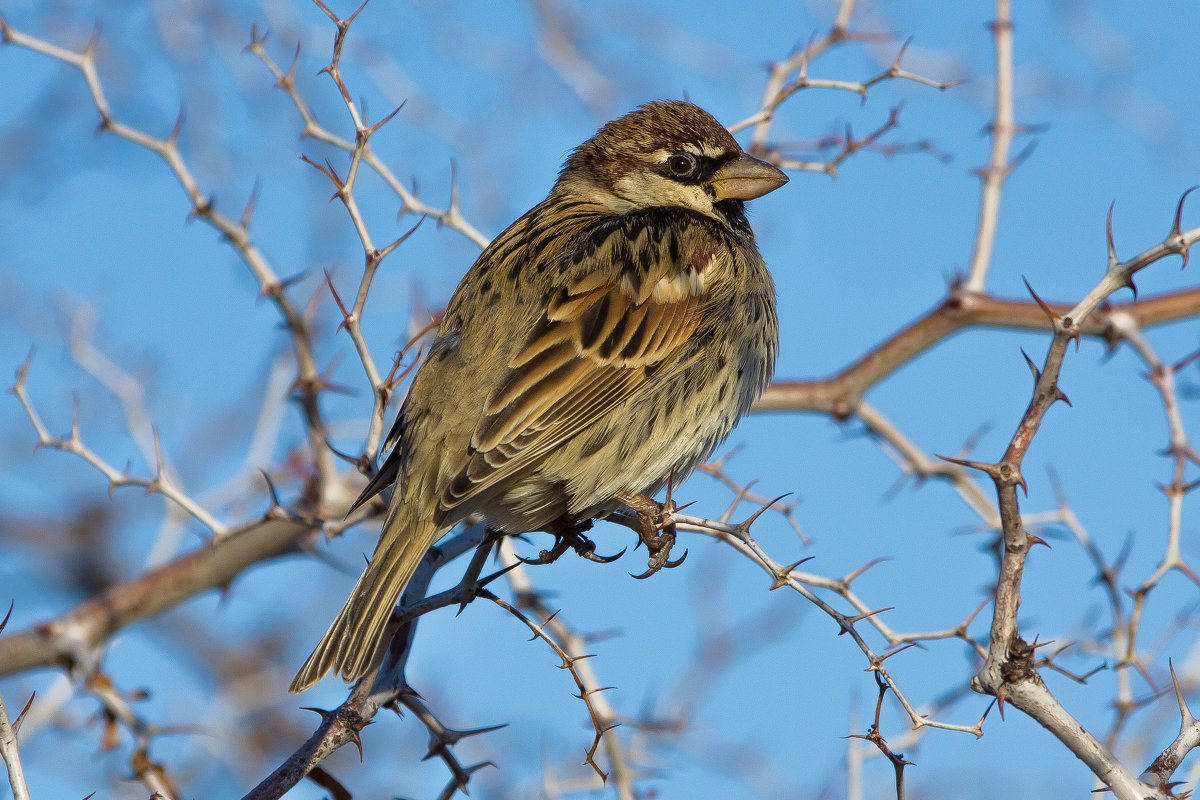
(634, 293)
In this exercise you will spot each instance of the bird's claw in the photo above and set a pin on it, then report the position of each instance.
(660, 561)
(657, 532)
(547, 556)
(676, 562)
(591, 555)
(571, 536)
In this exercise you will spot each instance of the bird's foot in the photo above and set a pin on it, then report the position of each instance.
(656, 530)
(569, 534)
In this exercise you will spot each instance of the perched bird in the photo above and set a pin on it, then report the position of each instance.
(601, 346)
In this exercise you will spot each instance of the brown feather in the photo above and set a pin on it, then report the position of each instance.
(608, 339)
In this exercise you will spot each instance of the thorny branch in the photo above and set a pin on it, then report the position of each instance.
(8, 739)
(450, 217)
(236, 232)
(161, 482)
(873, 736)
(8, 749)
(385, 686)
(602, 714)
(738, 536)
(787, 77)
(601, 724)
(1009, 671)
(840, 394)
(1159, 773)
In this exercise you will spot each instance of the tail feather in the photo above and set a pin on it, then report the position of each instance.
(349, 646)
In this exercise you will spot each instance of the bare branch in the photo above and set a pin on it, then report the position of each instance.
(8, 749)
(998, 169)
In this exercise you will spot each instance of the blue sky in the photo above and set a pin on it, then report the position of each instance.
(89, 221)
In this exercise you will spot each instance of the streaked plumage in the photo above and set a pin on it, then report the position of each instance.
(609, 338)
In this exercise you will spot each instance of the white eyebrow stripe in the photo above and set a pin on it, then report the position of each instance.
(712, 152)
(701, 150)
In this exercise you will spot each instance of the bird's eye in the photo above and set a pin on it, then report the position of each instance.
(681, 164)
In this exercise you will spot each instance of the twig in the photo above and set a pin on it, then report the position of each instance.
(236, 232)
(998, 169)
(450, 216)
(162, 482)
(8, 749)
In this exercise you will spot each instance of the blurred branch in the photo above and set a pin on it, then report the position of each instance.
(70, 640)
(920, 464)
(1179, 449)
(116, 709)
(998, 169)
(560, 46)
(847, 145)
(236, 232)
(127, 389)
(162, 482)
(1107, 575)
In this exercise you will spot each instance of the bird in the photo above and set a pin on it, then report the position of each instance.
(599, 349)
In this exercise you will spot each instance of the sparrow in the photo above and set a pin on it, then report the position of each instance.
(599, 348)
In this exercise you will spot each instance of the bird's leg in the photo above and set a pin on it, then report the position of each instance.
(656, 530)
(569, 533)
(470, 583)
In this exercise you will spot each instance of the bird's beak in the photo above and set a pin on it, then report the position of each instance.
(745, 178)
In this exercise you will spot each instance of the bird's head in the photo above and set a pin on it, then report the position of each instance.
(667, 153)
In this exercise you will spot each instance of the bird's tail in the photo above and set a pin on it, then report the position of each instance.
(348, 647)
